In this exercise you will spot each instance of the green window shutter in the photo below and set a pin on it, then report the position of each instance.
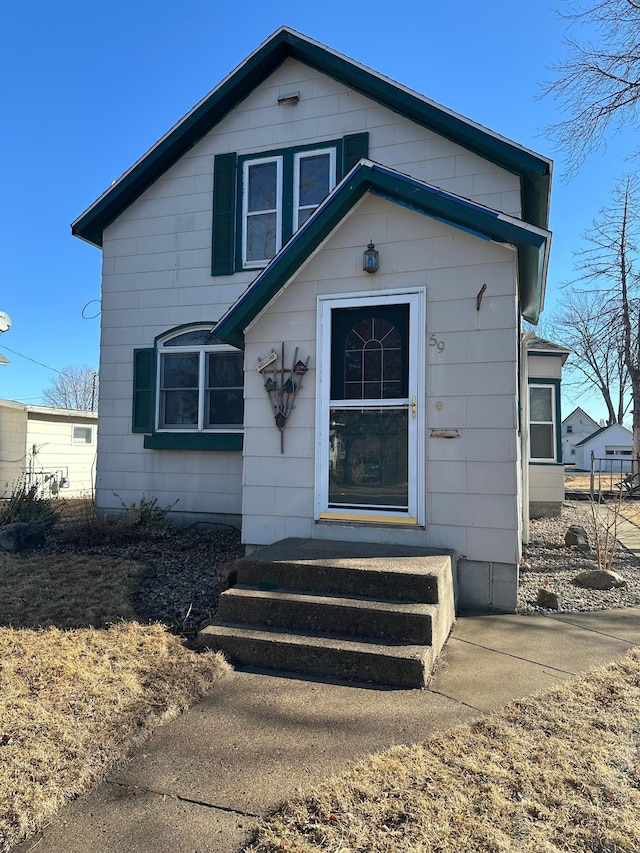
(354, 147)
(144, 363)
(224, 214)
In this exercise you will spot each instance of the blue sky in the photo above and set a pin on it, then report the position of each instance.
(87, 90)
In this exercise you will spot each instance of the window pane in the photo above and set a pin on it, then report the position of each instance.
(368, 458)
(225, 383)
(303, 214)
(199, 337)
(540, 406)
(225, 408)
(179, 408)
(180, 370)
(225, 370)
(541, 441)
(82, 435)
(373, 354)
(261, 236)
(263, 187)
(314, 179)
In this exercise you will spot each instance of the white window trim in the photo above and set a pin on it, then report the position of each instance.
(302, 155)
(416, 297)
(202, 350)
(260, 262)
(552, 391)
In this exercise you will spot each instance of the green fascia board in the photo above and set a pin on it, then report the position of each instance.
(534, 170)
(483, 222)
(193, 441)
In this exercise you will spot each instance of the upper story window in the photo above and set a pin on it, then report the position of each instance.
(542, 423)
(278, 194)
(261, 199)
(200, 383)
(569, 428)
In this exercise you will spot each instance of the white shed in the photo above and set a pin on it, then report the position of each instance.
(612, 449)
(50, 447)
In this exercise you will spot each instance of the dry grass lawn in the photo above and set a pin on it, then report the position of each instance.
(560, 772)
(580, 481)
(75, 694)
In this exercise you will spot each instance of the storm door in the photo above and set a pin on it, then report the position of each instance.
(370, 413)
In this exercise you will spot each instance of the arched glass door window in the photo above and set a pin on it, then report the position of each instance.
(370, 353)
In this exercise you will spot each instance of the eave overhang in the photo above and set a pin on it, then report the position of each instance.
(533, 169)
(532, 243)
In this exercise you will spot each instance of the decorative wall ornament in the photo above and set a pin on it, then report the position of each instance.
(282, 384)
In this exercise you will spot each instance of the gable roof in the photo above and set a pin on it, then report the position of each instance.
(575, 412)
(534, 170)
(600, 431)
(488, 224)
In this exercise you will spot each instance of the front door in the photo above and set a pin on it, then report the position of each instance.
(369, 415)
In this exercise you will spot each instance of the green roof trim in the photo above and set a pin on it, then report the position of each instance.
(534, 170)
(532, 242)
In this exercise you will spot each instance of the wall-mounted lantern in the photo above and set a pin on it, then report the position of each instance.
(370, 261)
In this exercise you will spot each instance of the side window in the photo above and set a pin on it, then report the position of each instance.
(200, 383)
(82, 435)
(542, 424)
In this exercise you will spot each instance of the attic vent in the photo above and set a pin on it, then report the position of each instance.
(290, 98)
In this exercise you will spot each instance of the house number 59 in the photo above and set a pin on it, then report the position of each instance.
(434, 342)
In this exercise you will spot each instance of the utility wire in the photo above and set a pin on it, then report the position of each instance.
(28, 358)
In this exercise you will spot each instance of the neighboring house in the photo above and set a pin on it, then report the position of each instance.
(243, 233)
(546, 470)
(612, 449)
(575, 427)
(52, 448)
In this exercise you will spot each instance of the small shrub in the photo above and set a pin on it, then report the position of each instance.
(25, 504)
(146, 519)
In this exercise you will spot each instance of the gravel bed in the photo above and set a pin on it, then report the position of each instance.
(548, 562)
(180, 587)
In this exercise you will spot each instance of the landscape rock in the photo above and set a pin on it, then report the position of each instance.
(21, 535)
(227, 574)
(600, 579)
(576, 536)
(548, 599)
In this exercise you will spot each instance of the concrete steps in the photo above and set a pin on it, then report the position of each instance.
(376, 614)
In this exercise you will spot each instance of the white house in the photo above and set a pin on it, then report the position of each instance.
(239, 240)
(52, 448)
(576, 427)
(612, 449)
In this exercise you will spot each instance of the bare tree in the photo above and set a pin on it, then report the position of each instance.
(599, 83)
(588, 323)
(73, 388)
(611, 263)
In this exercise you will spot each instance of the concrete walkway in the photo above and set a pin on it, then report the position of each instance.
(203, 781)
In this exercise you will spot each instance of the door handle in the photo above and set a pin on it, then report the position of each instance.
(414, 408)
